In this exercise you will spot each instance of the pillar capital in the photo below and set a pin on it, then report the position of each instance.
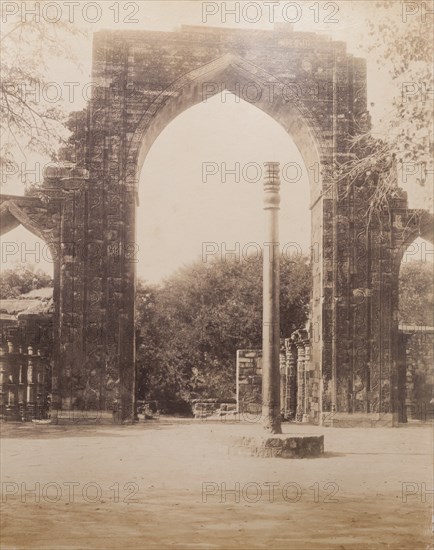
(271, 186)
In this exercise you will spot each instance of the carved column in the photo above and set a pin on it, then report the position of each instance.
(299, 373)
(12, 386)
(283, 380)
(302, 386)
(271, 322)
(307, 381)
(3, 367)
(22, 376)
(31, 404)
(39, 385)
(291, 393)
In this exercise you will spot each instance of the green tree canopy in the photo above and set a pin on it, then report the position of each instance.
(22, 279)
(191, 327)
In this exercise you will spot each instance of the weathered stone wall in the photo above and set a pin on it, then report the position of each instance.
(300, 382)
(366, 301)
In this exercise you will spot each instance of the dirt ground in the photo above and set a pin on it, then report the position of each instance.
(175, 484)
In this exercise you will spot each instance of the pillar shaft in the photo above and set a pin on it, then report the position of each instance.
(271, 322)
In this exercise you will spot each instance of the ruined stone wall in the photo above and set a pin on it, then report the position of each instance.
(317, 92)
(249, 381)
(370, 249)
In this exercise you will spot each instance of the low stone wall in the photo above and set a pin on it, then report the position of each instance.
(213, 407)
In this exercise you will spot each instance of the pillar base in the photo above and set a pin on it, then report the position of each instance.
(279, 446)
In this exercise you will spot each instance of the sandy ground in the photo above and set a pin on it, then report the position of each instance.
(162, 485)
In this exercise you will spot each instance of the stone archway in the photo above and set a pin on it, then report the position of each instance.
(413, 343)
(234, 74)
(317, 92)
(139, 100)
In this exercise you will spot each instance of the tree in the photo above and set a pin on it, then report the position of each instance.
(30, 119)
(21, 280)
(191, 327)
(401, 38)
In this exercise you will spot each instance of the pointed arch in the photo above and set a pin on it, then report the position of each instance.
(13, 215)
(233, 74)
(418, 224)
(40, 219)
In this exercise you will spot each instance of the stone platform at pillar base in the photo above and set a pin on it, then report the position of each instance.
(278, 446)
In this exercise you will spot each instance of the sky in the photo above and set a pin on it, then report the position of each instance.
(204, 177)
(179, 211)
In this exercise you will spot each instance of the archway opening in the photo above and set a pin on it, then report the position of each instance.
(416, 332)
(200, 232)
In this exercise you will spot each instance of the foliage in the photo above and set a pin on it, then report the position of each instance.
(21, 280)
(30, 119)
(403, 47)
(191, 327)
